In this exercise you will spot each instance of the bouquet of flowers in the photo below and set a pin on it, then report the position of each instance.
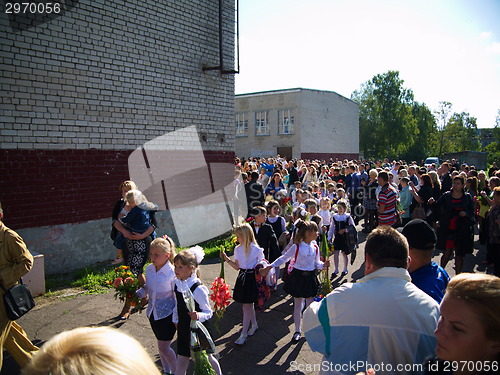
(326, 285)
(220, 295)
(125, 284)
(202, 365)
(287, 207)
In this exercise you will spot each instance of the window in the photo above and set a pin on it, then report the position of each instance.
(262, 123)
(286, 121)
(241, 125)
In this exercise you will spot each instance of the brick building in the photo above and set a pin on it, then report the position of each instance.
(298, 123)
(83, 88)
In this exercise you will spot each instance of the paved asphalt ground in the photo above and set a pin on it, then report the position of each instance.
(269, 351)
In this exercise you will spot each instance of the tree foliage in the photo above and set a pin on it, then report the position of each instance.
(424, 139)
(392, 124)
(461, 133)
(386, 121)
(493, 149)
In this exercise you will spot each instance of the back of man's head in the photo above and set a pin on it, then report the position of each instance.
(254, 176)
(386, 247)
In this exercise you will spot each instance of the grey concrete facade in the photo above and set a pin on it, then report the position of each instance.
(321, 124)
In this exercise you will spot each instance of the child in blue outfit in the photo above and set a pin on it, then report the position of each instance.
(137, 208)
(137, 220)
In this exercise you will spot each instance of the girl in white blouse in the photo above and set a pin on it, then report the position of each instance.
(246, 256)
(302, 283)
(187, 276)
(159, 288)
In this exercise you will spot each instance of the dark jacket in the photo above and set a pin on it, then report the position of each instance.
(444, 211)
(294, 176)
(255, 194)
(266, 238)
(446, 183)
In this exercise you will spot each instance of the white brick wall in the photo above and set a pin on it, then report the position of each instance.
(112, 74)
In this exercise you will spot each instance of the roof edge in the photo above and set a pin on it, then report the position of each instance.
(291, 90)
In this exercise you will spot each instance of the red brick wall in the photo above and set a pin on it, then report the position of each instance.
(51, 187)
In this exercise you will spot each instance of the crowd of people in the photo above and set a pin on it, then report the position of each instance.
(456, 199)
(404, 311)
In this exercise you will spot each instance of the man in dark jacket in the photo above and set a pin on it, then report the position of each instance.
(445, 178)
(254, 192)
(292, 172)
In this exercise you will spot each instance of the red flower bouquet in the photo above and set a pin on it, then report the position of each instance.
(220, 295)
(125, 284)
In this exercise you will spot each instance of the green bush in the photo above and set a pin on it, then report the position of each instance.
(93, 279)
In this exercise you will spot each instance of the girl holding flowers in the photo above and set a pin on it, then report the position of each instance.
(159, 288)
(187, 276)
(246, 257)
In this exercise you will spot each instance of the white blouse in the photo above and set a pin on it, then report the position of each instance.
(308, 257)
(326, 215)
(160, 289)
(200, 295)
(255, 255)
(343, 217)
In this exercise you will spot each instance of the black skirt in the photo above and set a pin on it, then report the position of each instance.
(302, 284)
(245, 290)
(163, 329)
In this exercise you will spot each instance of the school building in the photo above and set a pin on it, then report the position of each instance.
(85, 85)
(296, 123)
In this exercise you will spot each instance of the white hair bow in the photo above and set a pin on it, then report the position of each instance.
(198, 253)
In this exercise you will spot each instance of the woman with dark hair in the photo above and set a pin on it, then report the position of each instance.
(455, 214)
(275, 185)
(471, 185)
(422, 196)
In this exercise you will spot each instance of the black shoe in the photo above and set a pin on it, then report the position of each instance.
(334, 275)
(344, 273)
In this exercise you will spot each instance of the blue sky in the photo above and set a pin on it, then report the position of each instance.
(445, 50)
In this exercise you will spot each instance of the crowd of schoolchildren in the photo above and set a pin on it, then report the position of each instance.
(292, 207)
(456, 199)
(291, 204)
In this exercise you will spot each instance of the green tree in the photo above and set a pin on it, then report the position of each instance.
(427, 130)
(442, 115)
(387, 125)
(462, 134)
(493, 149)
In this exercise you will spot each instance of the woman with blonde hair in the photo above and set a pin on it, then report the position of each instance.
(91, 351)
(310, 176)
(468, 331)
(436, 184)
(124, 237)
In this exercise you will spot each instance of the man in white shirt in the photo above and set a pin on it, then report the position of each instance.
(381, 320)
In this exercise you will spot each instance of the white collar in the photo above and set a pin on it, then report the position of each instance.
(395, 272)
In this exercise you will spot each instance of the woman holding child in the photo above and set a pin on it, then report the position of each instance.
(133, 235)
